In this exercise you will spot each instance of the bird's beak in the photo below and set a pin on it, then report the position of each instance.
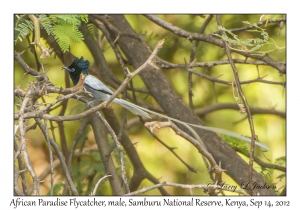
(66, 68)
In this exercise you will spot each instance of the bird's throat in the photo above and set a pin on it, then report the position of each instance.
(80, 83)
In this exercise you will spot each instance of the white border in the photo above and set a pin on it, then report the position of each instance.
(153, 6)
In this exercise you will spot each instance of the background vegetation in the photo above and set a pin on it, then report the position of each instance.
(257, 45)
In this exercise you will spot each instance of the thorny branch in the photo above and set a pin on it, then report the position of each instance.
(192, 60)
(167, 65)
(251, 26)
(37, 39)
(213, 165)
(206, 187)
(36, 184)
(41, 113)
(74, 91)
(60, 156)
(244, 107)
(210, 39)
(119, 149)
(37, 90)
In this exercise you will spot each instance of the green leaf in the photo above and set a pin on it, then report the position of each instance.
(56, 188)
(246, 22)
(23, 27)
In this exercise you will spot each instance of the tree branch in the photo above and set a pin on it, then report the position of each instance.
(210, 39)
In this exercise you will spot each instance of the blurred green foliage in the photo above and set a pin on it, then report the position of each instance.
(271, 129)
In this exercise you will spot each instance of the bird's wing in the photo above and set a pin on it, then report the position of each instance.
(96, 84)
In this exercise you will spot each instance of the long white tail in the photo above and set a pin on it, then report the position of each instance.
(217, 130)
(135, 109)
(131, 107)
(144, 112)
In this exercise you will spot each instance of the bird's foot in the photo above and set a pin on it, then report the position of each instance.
(79, 97)
(91, 103)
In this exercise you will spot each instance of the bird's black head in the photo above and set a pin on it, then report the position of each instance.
(78, 66)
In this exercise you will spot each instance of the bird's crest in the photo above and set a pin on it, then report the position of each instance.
(80, 65)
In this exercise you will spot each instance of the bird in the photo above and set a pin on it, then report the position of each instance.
(98, 90)
(101, 92)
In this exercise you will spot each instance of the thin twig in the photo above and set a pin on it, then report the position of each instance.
(119, 149)
(56, 163)
(21, 167)
(17, 190)
(27, 69)
(148, 62)
(121, 62)
(98, 183)
(41, 114)
(185, 186)
(262, 163)
(73, 147)
(171, 149)
(37, 38)
(60, 156)
(192, 58)
(220, 106)
(167, 65)
(241, 94)
(50, 157)
(36, 184)
(210, 39)
(252, 26)
(214, 166)
(216, 80)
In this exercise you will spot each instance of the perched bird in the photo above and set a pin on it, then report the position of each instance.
(99, 91)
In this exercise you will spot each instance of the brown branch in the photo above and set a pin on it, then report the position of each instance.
(37, 39)
(171, 149)
(216, 80)
(50, 157)
(101, 138)
(192, 58)
(111, 42)
(185, 186)
(41, 113)
(148, 62)
(56, 163)
(17, 190)
(119, 149)
(167, 65)
(214, 166)
(121, 62)
(210, 39)
(241, 94)
(140, 172)
(77, 136)
(27, 69)
(23, 147)
(262, 163)
(62, 136)
(251, 26)
(22, 168)
(160, 88)
(214, 107)
(60, 156)
(98, 183)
